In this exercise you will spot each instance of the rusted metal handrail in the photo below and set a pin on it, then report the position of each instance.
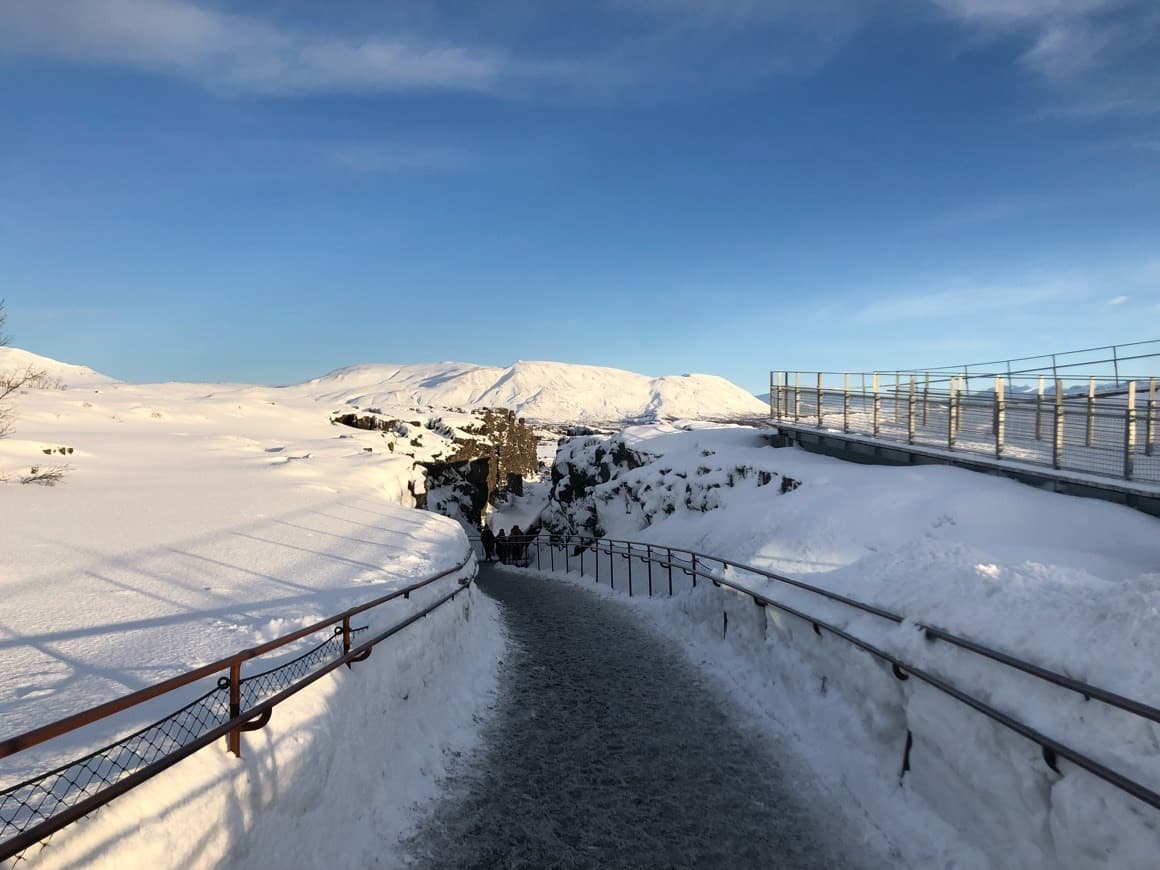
(31, 738)
(934, 632)
(1052, 749)
(239, 719)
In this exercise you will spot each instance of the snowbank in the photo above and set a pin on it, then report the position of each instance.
(343, 771)
(1068, 583)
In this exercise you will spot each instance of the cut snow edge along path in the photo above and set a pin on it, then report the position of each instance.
(608, 749)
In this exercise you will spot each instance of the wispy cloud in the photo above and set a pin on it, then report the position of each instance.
(1145, 144)
(477, 50)
(965, 300)
(1099, 55)
(988, 212)
(748, 37)
(1079, 293)
(242, 53)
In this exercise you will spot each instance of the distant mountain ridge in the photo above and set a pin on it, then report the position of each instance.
(550, 392)
(544, 391)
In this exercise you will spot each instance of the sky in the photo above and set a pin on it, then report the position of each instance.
(264, 191)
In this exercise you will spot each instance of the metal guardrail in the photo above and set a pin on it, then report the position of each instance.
(570, 550)
(1102, 428)
(32, 810)
(1109, 365)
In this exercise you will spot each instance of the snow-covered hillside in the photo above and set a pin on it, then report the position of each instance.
(543, 391)
(60, 374)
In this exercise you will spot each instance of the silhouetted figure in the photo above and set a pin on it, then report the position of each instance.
(501, 546)
(487, 538)
(517, 545)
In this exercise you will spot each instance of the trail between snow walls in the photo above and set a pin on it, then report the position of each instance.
(607, 749)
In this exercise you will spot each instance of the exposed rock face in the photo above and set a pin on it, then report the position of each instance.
(596, 481)
(583, 464)
(466, 456)
(509, 443)
(458, 489)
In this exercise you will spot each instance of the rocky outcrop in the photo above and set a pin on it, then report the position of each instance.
(466, 456)
(595, 481)
(582, 465)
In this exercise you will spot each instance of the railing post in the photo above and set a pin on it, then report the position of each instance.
(648, 556)
(552, 555)
(596, 559)
(821, 400)
(1150, 423)
(1039, 411)
(346, 636)
(234, 739)
(611, 568)
(630, 570)
(925, 399)
(537, 542)
(964, 385)
(1130, 432)
(772, 399)
(877, 400)
(1090, 438)
(669, 561)
(1057, 430)
(846, 403)
(910, 413)
(1000, 417)
(897, 393)
(694, 567)
(951, 414)
(797, 396)
(1116, 364)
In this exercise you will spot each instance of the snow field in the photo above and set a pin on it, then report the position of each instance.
(1067, 583)
(197, 520)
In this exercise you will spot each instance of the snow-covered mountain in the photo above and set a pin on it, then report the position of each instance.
(550, 392)
(61, 373)
(544, 391)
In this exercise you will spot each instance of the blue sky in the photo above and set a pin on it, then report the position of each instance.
(264, 191)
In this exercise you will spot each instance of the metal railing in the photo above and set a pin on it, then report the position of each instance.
(568, 552)
(1113, 363)
(32, 810)
(1091, 425)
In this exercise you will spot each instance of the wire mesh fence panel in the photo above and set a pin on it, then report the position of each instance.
(29, 803)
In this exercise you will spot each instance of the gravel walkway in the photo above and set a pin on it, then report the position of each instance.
(605, 749)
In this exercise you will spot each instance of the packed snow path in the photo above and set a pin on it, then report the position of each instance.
(607, 750)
